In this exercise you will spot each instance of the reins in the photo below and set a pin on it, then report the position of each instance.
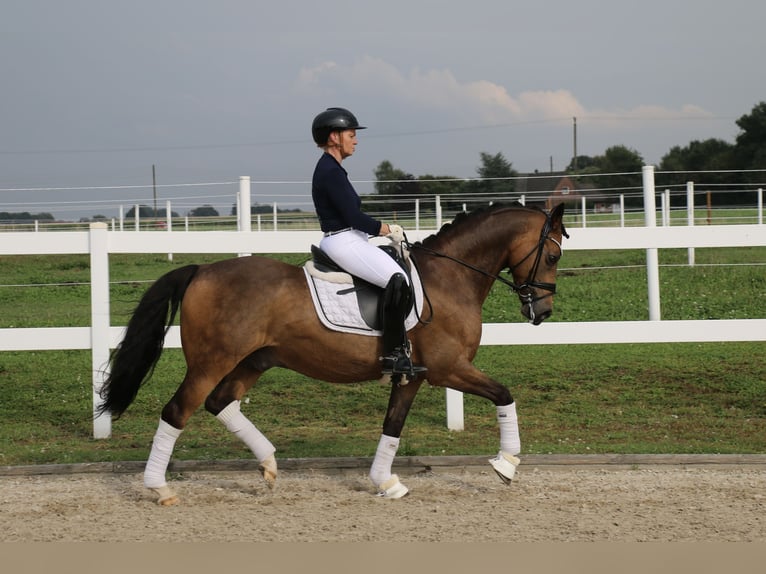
(523, 290)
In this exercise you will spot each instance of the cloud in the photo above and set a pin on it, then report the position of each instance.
(479, 101)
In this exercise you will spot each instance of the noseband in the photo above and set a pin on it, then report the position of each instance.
(524, 289)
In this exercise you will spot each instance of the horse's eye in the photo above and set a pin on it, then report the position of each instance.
(553, 259)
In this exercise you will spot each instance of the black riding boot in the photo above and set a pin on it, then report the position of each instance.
(394, 308)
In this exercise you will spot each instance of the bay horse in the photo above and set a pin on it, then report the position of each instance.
(239, 317)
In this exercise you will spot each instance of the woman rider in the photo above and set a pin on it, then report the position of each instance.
(346, 234)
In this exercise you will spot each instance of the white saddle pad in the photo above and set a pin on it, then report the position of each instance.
(341, 312)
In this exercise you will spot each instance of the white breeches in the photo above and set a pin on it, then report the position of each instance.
(355, 254)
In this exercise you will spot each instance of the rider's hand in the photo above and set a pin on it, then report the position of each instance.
(395, 233)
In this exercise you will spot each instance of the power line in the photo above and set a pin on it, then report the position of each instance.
(371, 135)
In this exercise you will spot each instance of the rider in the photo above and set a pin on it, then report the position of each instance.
(346, 235)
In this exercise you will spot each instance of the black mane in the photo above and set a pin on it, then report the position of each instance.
(462, 219)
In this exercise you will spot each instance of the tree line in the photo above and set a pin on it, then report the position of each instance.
(618, 168)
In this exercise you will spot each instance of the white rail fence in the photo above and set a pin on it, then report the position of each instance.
(101, 336)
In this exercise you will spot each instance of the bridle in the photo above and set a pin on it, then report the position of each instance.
(524, 290)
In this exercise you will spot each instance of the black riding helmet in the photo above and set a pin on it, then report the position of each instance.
(330, 120)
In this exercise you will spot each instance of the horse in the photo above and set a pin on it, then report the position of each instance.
(240, 317)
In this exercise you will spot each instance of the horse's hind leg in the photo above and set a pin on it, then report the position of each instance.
(224, 403)
(175, 414)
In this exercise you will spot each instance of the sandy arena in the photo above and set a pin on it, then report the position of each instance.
(670, 503)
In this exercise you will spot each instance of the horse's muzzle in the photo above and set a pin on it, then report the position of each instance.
(536, 310)
(539, 318)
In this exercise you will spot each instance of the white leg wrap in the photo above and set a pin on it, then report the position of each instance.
(510, 443)
(162, 448)
(245, 430)
(380, 472)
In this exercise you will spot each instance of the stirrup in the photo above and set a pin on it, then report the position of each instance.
(399, 363)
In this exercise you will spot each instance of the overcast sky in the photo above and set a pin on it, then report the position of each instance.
(95, 92)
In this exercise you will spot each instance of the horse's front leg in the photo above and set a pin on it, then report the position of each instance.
(399, 404)
(471, 380)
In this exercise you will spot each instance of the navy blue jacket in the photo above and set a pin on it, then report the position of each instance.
(337, 204)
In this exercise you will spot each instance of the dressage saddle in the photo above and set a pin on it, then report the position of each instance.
(368, 296)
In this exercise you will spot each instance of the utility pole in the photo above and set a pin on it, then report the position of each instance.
(154, 189)
(574, 127)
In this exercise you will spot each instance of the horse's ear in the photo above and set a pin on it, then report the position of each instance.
(557, 214)
(557, 219)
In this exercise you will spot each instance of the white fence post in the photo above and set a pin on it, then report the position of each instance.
(169, 224)
(274, 213)
(243, 214)
(417, 214)
(244, 217)
(99, 320)
(652, 259)
(690, 215)
(455, 418)
(622, 210)
(666, 208)
(760, 206)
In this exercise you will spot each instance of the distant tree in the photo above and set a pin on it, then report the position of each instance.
(269, 208)
(262, 208)
(584, 163)
(143, 211)
(204, 211)
(749, 149)
(444, 186)
(164, 213)
(623, 163)
(391, 182)
(706, 155)
(494, 172)
(26, 216)
(686, 162)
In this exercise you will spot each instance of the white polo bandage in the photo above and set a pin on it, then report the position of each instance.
(510, 443)
(245, 430)
(162, 448)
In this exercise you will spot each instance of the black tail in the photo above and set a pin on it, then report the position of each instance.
(133, 361)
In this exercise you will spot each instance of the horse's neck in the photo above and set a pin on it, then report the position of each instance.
(476, 260)
(487, 249)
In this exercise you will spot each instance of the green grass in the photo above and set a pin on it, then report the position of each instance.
(651, 398)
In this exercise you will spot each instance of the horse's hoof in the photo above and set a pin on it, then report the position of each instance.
(392, 488)
(268, 468)
(505, 466)
(166, 496)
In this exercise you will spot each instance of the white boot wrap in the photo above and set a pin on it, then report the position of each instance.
(510, 443)
(505, 466)
(162, 448)
(245, 430)
(380, 472)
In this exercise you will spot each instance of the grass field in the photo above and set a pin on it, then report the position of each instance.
(652, 398)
